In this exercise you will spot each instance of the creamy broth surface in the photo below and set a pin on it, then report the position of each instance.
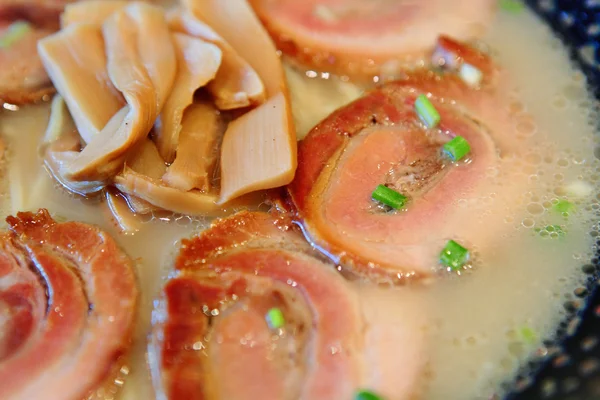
(482, 324)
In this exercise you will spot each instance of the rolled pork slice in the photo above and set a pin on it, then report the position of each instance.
(380, 139)
(364, 37)
(211, 338)
(43, 13)
(22, 76)
(67, 304)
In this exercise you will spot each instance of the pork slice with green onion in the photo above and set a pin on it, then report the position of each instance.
(22, 75)
(252, 313)
(22, 23)
(384, 183)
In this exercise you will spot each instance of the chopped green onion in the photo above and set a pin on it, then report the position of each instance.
(564, 207)
(15, 31)
(366, 395)
(528, 335)
(427, 112)
(513, 6)
(389, 197)
(470, 75)
(454, 255)
(457, 148)
(275, 318)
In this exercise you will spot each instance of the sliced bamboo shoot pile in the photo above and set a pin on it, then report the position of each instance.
(126, 219)
(228, 19)
(76, 63)
(141, 179)
(60, 124)
(139, 206)
(146, 160)
(256, 152)
(198, 63)
(128, 77)
(259, 148)
(59, 155)
(141, 65)
(236, 84)
(155, 192)
(90, 11)
(197, 149)
(60, 144)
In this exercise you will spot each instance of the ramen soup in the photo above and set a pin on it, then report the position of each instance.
(478, 326)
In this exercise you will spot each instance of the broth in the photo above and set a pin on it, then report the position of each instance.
(483, 324)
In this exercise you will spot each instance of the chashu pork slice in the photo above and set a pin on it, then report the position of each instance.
(22, 75)
(359, 37)
(379, 139)
(22, 23)
(67, 304)
(211, 340)
(42, 13)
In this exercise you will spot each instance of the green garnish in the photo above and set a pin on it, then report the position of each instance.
(470, 75)
(528, 335)
(15, 31)
(366, 395)
(275, 318)
(427, 112)
(513, 6)
(389, 197)
(564, 207)
(457, 148)
(454, 255)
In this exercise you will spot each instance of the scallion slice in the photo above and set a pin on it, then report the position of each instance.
(389, 197)
(454, 255)
(470, 75)
(457, 148)
(275, 318)
(528, 335)
(366, 395)
(15, 31)
(427, 112)
(564, 207)
(513, 6)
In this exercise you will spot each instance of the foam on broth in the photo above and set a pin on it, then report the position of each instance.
(483, 324)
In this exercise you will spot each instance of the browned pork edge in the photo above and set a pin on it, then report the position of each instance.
(22, 57)
(77, 343)
(330, 59)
